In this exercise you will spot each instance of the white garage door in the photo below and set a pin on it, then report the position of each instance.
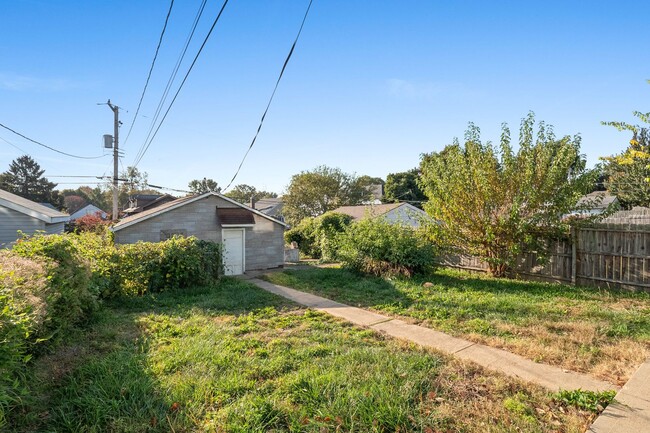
(233, 251)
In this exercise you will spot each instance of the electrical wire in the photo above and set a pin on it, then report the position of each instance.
(14, 146)
(183, 82)
(167, 188)
(155, 56)
(48, 147)
(284, 66)
(172, 76)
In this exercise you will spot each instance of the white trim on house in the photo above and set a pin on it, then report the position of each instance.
(227, 226)
(136, 219)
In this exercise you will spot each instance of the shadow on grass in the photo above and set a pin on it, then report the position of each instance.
(101, 380)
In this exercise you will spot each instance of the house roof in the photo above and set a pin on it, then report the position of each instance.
(33, 209)
(88, 209)
(361, 211)
(271, 206)
(134, 219)
(606, 197)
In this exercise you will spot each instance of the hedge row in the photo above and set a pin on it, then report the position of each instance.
(51, 283)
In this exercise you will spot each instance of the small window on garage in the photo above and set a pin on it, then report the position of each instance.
(168, 234)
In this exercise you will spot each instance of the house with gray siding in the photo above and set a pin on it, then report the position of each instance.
(251, 239)
(394, 213)
(20, 214)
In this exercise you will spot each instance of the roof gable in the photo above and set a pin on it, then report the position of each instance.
(31, 208)
(150, 213)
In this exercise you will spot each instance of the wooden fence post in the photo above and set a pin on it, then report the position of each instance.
(574, 255)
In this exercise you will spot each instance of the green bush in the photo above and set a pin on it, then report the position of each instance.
(24, 290)
(50, 283)
(374, 246)
(72, 298)
(316, 237)
(99, 251)
(175, 263)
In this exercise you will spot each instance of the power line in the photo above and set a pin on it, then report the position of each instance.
(167, 188)
(259, 128)
(155, 56)
(14, 146)
(48, 147)
(172, 77)
(183, 82)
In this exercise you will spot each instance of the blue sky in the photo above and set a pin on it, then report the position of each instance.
(371, 86)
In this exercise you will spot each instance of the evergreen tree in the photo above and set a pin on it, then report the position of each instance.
(25, 178)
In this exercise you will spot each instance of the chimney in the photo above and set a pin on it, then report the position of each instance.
(252, 203)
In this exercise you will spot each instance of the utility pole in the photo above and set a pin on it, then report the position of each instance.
(116, 130)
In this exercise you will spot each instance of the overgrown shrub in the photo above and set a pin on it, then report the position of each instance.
(24, 290)
(72, 298)
(50, 283)
(175, 263)
(374, 246)
(316, 237)
(99, 251)
(90, 223)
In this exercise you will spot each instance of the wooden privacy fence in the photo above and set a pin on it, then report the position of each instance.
(605, 255)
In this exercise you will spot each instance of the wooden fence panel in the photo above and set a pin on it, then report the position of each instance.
(608, 255)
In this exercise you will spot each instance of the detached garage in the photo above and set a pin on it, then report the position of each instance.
(251, 240)
(19, 214)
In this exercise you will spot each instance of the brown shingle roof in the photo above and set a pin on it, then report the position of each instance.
(361, 211)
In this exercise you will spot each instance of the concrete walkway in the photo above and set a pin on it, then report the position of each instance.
(630, 411)
(553, 378)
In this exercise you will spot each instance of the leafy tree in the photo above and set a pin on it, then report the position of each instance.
(316, 237)
(25, 178)
(134, 182)
(312, 193)
(102, 198)
(404, 186)
(495, 202)
(629, 172)
(243, 193)
(202, 186)
(74, 202)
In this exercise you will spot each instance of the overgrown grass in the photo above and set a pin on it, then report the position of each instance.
(234, 358)
(602, 332)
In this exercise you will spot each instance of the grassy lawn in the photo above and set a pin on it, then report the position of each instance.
(234, 358)
(605, 333)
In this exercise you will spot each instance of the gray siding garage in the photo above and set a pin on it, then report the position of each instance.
(19, 214)
(252, 240)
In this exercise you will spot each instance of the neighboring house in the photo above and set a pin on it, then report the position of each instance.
(251, 239)
(20, 214)
(89, 209)
(142, 202)
(271, 206)
(599, 201)
(398, 213)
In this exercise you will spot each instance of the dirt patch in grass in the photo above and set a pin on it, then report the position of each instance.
(602, 332)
